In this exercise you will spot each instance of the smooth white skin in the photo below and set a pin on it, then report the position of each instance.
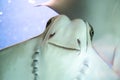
(61, 56)
(104, 15)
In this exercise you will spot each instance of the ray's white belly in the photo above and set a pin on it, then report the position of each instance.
(54, 64)
(59, 64)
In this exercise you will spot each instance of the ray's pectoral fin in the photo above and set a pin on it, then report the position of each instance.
(116, 61)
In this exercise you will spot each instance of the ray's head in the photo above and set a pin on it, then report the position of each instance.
(73, 34)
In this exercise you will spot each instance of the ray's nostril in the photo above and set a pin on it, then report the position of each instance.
(78, 42)
(51, 35)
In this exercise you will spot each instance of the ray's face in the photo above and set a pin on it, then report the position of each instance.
(63, 42)
(69, 34)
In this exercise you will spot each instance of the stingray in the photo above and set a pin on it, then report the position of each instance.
(63, 51)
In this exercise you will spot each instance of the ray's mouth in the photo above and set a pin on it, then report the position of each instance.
(63, 47)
